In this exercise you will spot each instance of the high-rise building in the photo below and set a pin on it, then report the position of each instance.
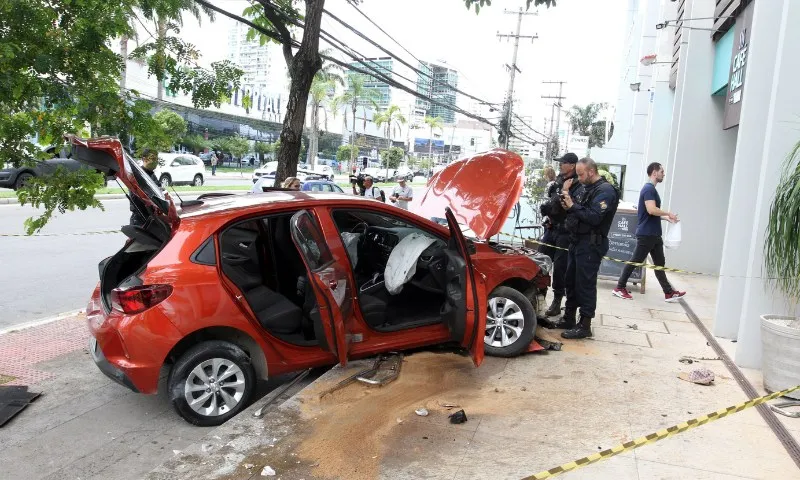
(265, 78)
(523, 138)
(438, 83)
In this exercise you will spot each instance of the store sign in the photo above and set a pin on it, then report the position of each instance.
(739, 59)
(579, 145)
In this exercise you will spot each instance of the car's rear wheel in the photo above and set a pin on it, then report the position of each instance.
(198, 180)
(211, 382)
(165, 181)
(510, 323)
(22, 180)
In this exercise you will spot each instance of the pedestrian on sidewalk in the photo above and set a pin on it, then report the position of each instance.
(214, 161)
(589, 217)
(402, 194)
(648, 236)
(555, 235)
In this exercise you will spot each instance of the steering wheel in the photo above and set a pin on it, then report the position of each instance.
(362, 224)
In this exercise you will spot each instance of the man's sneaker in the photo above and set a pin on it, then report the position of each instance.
(622, 293)
(674, 296)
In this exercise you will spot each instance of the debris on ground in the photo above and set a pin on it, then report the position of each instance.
(633, 327)
(701, 376)
(267, 472)
(421, 412)
(385, 370)
(448, 405)
(14, 399)
(458, 417)
(781, 408)
(524, 389)
(689, 360)
(548, 343)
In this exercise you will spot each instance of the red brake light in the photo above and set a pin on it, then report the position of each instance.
(137, 299)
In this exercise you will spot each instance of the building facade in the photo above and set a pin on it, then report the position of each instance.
(709, 91)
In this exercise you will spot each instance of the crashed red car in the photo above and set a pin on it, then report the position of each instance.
(234, 288)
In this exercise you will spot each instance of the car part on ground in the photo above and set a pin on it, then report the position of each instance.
(273, 395)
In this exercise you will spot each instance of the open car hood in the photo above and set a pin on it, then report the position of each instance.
(480, 190)
(107, 155)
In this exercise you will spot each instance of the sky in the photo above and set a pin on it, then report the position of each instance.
(580, 42)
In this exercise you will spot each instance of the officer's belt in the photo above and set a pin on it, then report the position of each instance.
(593, 238)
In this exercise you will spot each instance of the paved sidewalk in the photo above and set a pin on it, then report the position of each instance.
(525, 414)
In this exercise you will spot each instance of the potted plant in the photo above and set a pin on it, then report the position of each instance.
(780, 335)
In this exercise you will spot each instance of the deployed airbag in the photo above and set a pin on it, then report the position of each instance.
(402, 262)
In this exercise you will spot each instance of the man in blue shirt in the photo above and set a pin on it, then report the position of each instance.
(648, 236)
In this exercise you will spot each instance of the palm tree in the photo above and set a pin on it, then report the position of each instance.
(165, 13)
(356, 95)
(390, 117)
(433, 123)
(324, 86)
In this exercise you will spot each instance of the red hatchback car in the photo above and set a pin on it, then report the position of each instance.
(241, 287)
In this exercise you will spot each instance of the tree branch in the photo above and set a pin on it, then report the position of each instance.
(272, 14)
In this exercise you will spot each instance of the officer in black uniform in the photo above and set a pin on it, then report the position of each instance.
(556, 233)
(589, 217)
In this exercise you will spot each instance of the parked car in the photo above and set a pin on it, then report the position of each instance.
(239, 287)
(180, 168)
(320, 186)
(17, 178)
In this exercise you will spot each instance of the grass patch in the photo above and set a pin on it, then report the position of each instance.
(6, 378)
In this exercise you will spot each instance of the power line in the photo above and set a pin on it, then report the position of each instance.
(396, 57)
(379, 75)
(522, 121)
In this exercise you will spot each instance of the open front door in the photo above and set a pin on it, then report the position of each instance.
(330, 283)
(465, 307)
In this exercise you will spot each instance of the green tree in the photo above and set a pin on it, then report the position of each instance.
(433, 123)
(355, 96)
(237, 146)
(583, 121)
(486, 3)
(391, 117)
(319, 93)
(195, 142)
(392, 157)
(168, 129)
(346, 152)
(262, 149)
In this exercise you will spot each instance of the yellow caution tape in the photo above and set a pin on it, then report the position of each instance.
(659, 435)
(626, 262)
(96, 232)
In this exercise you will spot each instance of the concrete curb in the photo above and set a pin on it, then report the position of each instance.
(40, 322)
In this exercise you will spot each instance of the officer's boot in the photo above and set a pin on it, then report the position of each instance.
(555, 307)
(567, 321)
(582, 330)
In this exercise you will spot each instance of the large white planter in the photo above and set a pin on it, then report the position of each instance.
(781, 356)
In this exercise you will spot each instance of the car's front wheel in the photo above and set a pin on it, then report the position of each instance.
(510, 323)
(211, 382)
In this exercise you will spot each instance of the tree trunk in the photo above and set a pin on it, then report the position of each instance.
(162, 34)
(388, 146)
(353, 134)
(313, 138)
(123, 51)
(305, 64)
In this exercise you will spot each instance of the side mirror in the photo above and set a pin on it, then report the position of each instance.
(175, 164)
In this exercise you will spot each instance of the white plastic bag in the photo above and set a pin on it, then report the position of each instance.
(672, 239)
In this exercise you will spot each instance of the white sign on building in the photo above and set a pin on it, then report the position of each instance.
(579, 145)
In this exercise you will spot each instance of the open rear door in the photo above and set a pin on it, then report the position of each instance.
(329, 280)
(465, 307)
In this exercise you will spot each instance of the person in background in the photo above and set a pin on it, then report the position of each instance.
(214, 161)
(589, 217)
(371, 191)
(648, 236)
(549, 174)
(402, 194)
(149, 165)
(292, 183)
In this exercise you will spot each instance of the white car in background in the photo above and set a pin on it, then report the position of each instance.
(180, 168)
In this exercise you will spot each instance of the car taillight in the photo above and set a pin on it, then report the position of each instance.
(137, 299)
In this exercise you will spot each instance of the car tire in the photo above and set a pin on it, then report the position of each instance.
(195, 376)
(165, 181)
(510, 323)
(22, 180)
(198, 181)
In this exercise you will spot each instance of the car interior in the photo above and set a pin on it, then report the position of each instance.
(260, 258)
(379, 246)
(272, 277)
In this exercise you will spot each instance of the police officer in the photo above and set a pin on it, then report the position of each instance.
(589, 216)
(556, 233)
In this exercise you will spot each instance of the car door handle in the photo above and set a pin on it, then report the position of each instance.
(235, 259)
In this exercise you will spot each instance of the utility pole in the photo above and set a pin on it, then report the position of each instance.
(557, 106)
(513, 69)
